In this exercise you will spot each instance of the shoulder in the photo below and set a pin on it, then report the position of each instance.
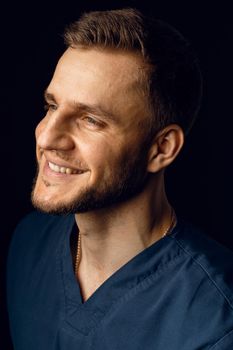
(225, 343)
(208, 255)
(36, 231)
(207, 278)
(37, 222)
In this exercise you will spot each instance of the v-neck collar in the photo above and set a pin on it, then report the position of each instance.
(84, 316)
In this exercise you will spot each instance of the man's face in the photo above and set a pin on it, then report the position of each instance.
(91, 143)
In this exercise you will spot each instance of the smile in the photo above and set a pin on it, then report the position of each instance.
(63, 170)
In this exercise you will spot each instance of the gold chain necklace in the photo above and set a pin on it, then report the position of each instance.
(168, 230)
(78, 254)
(172, 223)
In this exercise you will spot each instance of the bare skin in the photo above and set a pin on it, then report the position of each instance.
(109, 239)
(96, 145)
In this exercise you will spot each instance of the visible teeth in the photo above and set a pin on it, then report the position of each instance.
(62, 169)
(68, 171)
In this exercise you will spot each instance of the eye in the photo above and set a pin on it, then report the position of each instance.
(50, 107)
(91, 121)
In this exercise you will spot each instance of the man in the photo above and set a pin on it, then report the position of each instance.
(108, 265)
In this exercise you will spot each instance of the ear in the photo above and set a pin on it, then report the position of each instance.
(165, 147)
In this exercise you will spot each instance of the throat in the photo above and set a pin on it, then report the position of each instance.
(96, 258)
(89, 281)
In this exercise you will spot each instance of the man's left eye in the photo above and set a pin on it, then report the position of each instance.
(91, 121)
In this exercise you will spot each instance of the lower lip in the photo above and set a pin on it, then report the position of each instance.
(49, 172)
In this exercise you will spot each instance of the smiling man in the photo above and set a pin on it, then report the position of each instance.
(93, 104)
(104, 263)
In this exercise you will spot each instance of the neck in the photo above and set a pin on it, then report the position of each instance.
(111, 237)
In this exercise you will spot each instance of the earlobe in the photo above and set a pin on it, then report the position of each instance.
(165, 148)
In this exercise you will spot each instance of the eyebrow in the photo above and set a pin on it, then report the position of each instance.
(82, 107)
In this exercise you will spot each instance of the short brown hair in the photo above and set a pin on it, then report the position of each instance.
(174, 82)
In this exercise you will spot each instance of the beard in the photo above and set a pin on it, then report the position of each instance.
(127, 180)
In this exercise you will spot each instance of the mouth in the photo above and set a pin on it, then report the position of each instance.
(52, 170)
(63, 170)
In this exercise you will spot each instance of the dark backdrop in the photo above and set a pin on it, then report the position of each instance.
(199, 184)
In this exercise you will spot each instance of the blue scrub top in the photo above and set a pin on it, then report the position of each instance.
(176, 294)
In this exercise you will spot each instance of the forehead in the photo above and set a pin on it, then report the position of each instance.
(110, 64)
(112, 79)
(94, 72)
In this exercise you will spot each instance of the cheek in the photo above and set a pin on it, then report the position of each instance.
(101, 156)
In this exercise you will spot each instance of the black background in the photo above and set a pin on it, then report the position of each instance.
(198, 184)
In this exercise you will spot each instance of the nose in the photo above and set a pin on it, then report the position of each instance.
(53, 134)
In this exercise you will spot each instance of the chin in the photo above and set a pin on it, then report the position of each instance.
(51, 206)
(50, 203)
